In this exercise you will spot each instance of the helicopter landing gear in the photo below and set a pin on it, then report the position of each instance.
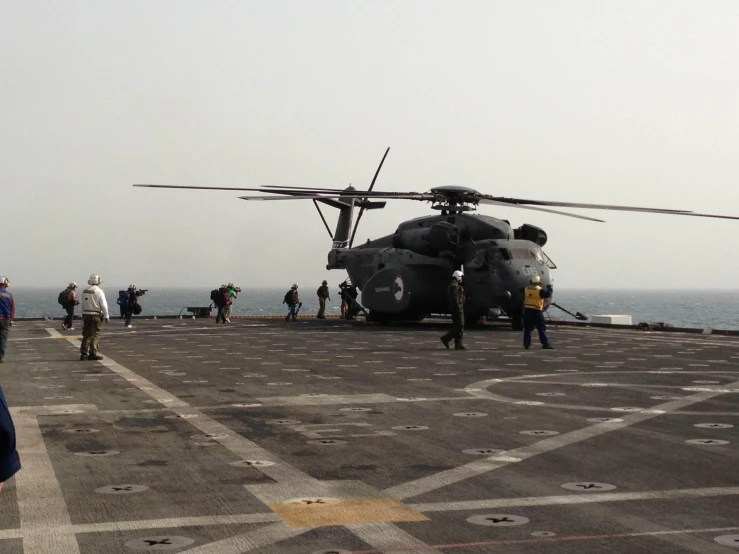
(380, 318)
(517, 321)
(471, 322)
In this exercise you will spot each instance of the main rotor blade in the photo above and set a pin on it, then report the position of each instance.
(715, 216)
(581, 205)
(362, 209)
(189, 187)
(379, 167)
(419, 197)
(665, 211)
(319, 189)
(496, 203)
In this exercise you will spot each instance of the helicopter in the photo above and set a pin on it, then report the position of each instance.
(404, 275)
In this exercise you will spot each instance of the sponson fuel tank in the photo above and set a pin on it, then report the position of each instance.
(407, 289)
(430, 241)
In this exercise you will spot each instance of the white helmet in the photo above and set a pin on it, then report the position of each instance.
(72, 285)
(94, 279)
(4, 281)
(295, 285)
(457, 275)
(535, 280)
(131, 287)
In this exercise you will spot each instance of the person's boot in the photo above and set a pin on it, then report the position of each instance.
(94, 357)
(547, 347)
(445, 342)
(459, 346)
(83, 356)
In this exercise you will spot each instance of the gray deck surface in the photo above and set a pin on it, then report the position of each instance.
(311, 437)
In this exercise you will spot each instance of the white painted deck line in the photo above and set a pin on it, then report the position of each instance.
(281, 472)
(479, 467)
(168, 523)
(249, 541)
(386, 537)
(44, 517)
(574, 499)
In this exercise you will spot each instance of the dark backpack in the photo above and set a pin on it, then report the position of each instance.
(289, 297)
(216, 296)
(63, 297)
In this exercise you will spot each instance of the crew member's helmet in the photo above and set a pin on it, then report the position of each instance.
(535, 280)
(4, 281)
(295, 286)
(94, 279)
(324, 283)
(131, 287)
(457, 275)
(230, 285)
(72, 285)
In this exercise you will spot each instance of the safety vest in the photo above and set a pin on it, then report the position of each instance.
(533, 300)
(90, 302)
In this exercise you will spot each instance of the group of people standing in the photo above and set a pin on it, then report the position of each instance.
(348, 293)
(128, 301)
(223, 298)
(535, 302)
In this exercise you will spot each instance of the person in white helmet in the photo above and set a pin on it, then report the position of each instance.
(456, 298)
(533, 312)
(292, 299)
(70, 296)
(94, 313)
(7, 313)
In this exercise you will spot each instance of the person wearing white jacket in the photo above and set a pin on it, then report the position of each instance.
(94, 313)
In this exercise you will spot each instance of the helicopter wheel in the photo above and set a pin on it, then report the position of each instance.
(517, 322)
(471, 322)
(374, 317)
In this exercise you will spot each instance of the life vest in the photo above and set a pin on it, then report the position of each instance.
(533, 300)
(90, 302)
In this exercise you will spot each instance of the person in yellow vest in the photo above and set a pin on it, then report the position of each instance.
(533, 313)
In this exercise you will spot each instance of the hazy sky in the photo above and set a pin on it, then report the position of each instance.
(606, 102)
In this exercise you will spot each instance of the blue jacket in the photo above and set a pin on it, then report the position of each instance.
(10, 463)
(7, 305)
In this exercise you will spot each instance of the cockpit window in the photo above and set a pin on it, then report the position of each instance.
(527, 254)
(478, 261)
(521, 254)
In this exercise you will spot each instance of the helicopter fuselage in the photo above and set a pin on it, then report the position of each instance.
(405, 275)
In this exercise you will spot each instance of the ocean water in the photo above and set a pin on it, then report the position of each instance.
(692, 308)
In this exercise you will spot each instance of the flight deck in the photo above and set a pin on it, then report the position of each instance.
(337, 437)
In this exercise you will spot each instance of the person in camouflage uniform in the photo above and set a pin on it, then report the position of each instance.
(456, 298)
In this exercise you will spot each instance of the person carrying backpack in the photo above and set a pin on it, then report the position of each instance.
(222, 301)
(292, 299)
(68, 300)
